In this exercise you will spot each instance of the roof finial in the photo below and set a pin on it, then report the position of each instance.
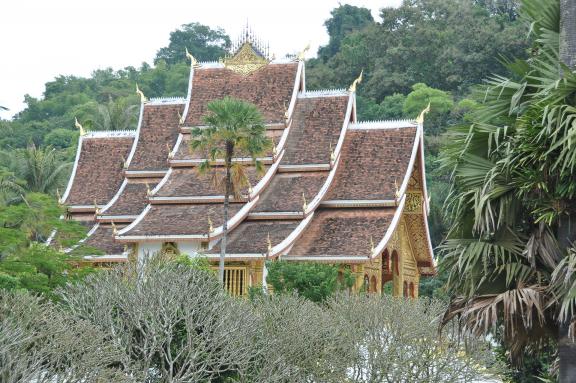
(269, 242)
(193, 60)
(58, 196)
(148, 191)
(210, 226)
(304, 203)
(371, 244)
(114, 228)
(142, 97)
(356, 82)
(96, 208)
(396, 191)
(180, 118)
(79, 126)
(332, 154)
(302, 54)
(420, 118)
(170, 152)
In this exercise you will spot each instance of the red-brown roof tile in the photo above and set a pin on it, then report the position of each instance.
(187, 182)
(316, 127)
(270, 88)
(182, 219)
(99, 172)
(103, 239)
(373, 163)
(343, 232)
(251, 237)
(158, 133)
(285, 191)
(132, 201)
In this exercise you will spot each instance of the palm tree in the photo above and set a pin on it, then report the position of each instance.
(232, 126)
(510, 252)
(40, 169)
(115, 115)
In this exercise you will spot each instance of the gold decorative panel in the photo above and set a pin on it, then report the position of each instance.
(246, 60)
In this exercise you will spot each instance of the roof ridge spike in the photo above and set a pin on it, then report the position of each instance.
(323, 92)
(110, 133)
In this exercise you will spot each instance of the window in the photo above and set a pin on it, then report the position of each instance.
(235, 280)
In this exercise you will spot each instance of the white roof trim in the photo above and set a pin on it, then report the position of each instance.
(123, 218)
(272, 215)
(166, 101)
(303, 168)
(116, 196)
(395, 220)
(90, 232)
(415, 147)
(238, 255)
(73, 174)
(324, 93)
(188, 94)
(383, 124)
(145, 173)
(359, 203)
(218, 161)
(136, 221)
(327, 258)
(287, 243)
(297, 80)
(135, 143)
(110, 134)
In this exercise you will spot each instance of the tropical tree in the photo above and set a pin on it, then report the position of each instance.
(233, 126)
(115, 115)
(510, 250)
(40, 168)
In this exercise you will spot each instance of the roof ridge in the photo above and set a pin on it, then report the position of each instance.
(110, 133)
(166, 100)
(384, 124)
(324, 93)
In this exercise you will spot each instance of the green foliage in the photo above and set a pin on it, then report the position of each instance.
(344, 20)
(314, 281)
(441, 104)
(447, 44)
(390, 108)
(61, 138)
(204, 43)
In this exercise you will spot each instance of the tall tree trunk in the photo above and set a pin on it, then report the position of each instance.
(228, 164)
(567, 230)
(568, 32)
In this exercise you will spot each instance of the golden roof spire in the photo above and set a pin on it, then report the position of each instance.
(332, 154)
(96, 208)
(143, 98)
(148, 191)
(79, 126)
(114, 228)
(269, 242)
(193, 60)
(420, 118)
(302, 54)
(356, 82)
(304, 203)
(210, 226)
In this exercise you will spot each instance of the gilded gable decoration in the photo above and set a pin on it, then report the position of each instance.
(250, 54)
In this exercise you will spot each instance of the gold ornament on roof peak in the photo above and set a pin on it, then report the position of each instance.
(143, 98)
(269, 242)
(79, 127)
(148, 191)
(356, 82)
(114, 229)
(192, 59)
(304, 203)
(246, 60)
(420, 118)
(210, 226)
(302, 54)
(372, 244)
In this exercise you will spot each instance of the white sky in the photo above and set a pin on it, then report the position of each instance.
(42, 39)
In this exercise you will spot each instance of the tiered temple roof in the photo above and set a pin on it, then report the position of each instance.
(333, 189)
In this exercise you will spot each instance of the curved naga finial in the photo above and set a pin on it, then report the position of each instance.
(143, 98)
(356, 82)
(420, 118)
(192, 59)
(302, 54)
(79, 126)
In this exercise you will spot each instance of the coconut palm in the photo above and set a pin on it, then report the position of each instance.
(509, 252)
(233, 126)
(115, 115)
(40, 169)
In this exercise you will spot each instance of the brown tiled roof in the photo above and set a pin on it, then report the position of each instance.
(103, 239)
(182, 219)
(184, 182)
(132, 200)
(343, 232)
(184, 151)
(316, 125)
(158, 132)
(285, 191)
(270, 88)
(373, 163)
(99, 170)
(251, 237)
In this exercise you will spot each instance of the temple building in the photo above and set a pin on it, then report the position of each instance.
(335, 190)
